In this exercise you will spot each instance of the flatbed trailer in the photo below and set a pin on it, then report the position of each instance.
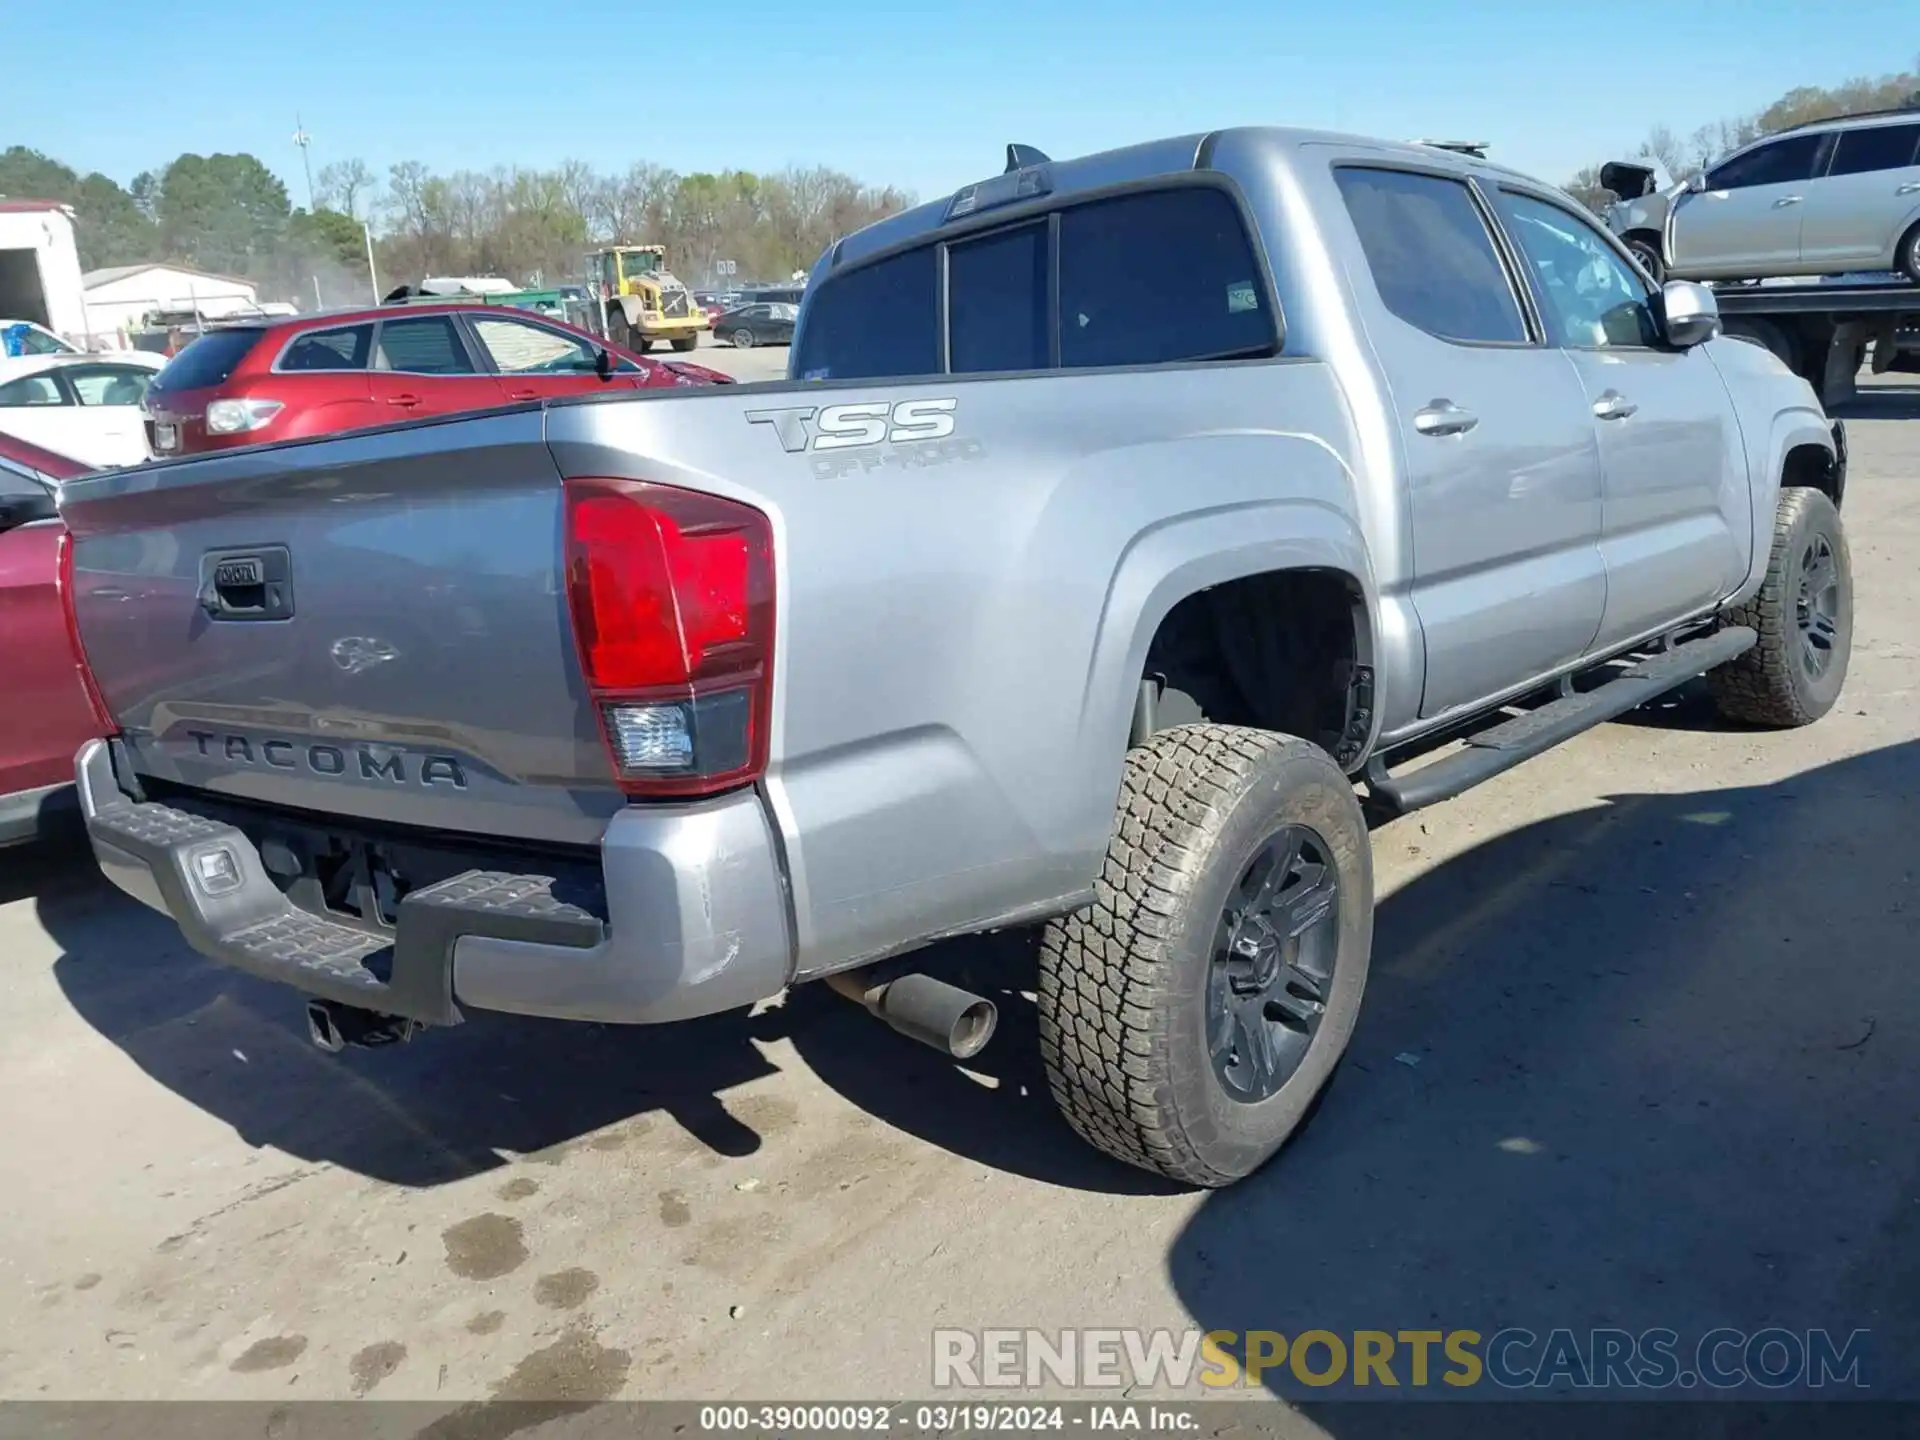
(1824, 330)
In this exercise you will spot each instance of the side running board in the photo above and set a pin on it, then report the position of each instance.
(1503, 746)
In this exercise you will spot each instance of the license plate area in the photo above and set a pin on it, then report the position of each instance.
(252, 584)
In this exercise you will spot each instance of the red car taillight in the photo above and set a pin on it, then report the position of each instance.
(672, 600)
(100, 715)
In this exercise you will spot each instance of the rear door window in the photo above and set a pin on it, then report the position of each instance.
(208, 361)
(422, 345)
(1875, 147)
(342, 349)
(1431, 255)
(1159, 278)
(878, 321)
(997, 310)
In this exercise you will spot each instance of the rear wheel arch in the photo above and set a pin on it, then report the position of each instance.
(1906, 254)
(1289, 650)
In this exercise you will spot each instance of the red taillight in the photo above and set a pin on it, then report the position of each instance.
(672, 600)
(100, 715)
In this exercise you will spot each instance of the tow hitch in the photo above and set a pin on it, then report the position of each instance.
(333, 1026)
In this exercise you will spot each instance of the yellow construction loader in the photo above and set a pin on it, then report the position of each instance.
(644, 302)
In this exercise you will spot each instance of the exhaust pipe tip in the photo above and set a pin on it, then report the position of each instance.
(322, 1029)
(972, 1028)
(953, 1021)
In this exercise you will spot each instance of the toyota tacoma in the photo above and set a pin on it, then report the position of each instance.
(1021, 603)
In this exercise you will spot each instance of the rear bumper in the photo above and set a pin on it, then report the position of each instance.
(695, 916)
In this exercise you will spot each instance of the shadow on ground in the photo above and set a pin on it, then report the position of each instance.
(1881, 401)
(1686, 1018)
(1652, 1064)
(453, 1102)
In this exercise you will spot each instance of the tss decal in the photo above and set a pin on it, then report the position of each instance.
(870, 422)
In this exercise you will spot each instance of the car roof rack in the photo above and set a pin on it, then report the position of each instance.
(1019, 157)
(1476, 148)
(1911, 111)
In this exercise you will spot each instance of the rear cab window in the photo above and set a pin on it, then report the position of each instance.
(208, 361)
(1160, 278)
(877, 321)
(998, 309)
(1155, 277)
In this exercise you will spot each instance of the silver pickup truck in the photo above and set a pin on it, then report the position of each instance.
(1124, 519)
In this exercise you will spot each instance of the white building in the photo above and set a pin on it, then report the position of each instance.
(40, 268)
(119, 295)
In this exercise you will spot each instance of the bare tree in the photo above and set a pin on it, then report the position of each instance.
(1585, 187)
(344, 185)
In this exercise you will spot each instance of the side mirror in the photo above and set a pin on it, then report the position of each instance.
(603, 362)
(1689, 314)
(1696, 183)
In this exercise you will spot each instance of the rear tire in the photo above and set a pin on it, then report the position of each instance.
(1803, 614)
(743, 339)
(1768, 336)
(1178, 1015)
(684, 343)
(1907, 255)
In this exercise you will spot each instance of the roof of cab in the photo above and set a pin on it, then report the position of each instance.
(1180, 154)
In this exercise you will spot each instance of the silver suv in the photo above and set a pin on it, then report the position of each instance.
(1820, 199)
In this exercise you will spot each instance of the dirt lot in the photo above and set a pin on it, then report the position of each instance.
(1642, 1048)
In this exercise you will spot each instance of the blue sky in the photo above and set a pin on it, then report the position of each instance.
(908, 93)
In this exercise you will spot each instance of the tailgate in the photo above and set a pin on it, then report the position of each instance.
(373, 625)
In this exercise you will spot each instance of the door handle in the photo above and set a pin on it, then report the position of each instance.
(1911, 187)
(1786, 200)
(523, 394)
(1613, 406)
(407, 400)
(1443, 417)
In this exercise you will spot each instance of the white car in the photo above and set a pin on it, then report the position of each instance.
(86, 406)
(25, 338)
(1823, 198)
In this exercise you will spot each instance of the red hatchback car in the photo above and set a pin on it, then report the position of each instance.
(250, 383)
(51, 709)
